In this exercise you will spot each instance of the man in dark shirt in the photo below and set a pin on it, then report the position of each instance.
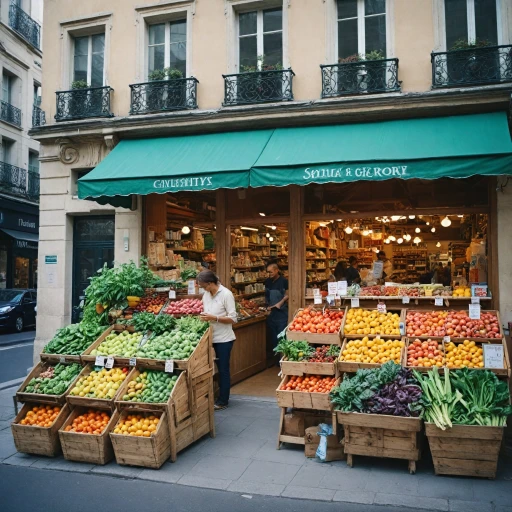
(276, 298)
(352, 273)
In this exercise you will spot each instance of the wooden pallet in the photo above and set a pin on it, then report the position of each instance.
(378, 435)
(466, 450)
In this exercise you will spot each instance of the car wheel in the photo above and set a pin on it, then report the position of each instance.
(18, 324)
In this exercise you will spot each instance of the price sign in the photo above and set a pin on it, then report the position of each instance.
(438, 301)
(316, 291)
(378, 267)
(317, 299)
(62, 359)
(132, 361)
(474, 311)
(191, 287)
(447, 339)
(475, 300)
(342, 287)
(330, 299)
(332, 288)
(354, 303)
(100, 361)
(493, 355)
(402, 328)
(110, 362)
(172, 294)
(169, 365)
(406, 300)
(381, 307)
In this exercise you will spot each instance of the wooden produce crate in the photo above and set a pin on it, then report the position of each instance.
(80, 447)
(59, 358)
(202, 405)
(353, 366)
(466, 450)
(400, 312)
(39, 368)
(322, 339)
(302, 368)
(148, 452)
(303, 399)
(423, 369)
(38, 440)
(91, 403)
(379, 435)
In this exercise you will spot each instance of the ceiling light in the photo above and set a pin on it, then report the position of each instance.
(407, 237)
(268, 235)
(417, 240)
(365, 232)
(394, 218)
(438, 244)
(400, 240)
(387, 241)
(392, 238)
(248, 229)
(262, 214)
(460, 216)
(339, 220)
(412, 217)
(446, 222)
(433, 230)
(185, 230)
(427, 223)
(348, 230)
(271, 238)
(417, 230)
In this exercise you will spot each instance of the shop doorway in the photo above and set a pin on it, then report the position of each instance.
(21, 272)
(93, 247)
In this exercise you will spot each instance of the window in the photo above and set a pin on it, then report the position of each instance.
(470, 20)
(361, 27)
(7, 87)
(167, 46)
(7, 151)
(37, 94)
(89, 60)
(260, 38)
(33, 162)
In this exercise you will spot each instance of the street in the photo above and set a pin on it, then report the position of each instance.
(15, 356)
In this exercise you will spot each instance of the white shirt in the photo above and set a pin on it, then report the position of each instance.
(221, 304)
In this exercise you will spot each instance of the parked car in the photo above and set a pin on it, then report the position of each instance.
(17, 309)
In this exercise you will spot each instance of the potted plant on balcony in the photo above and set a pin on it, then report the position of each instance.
(261, 86)
(375, 71)
(155, 93)
(350, 76)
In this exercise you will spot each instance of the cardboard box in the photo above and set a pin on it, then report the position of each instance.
(334, 446)
(294, 424)
(160, 253)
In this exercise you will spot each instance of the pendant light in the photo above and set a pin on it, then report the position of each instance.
(427, 223)
(365, 232)
(417, 230)
(348, 230)
(270, 238)
(407, 237)
(392, 238)
(433, 229)
(412, 217)
(394, 218)
(400, 240)
(387, 241)
(438, 244)
(417, 240)
(446, 222)
(185, 230)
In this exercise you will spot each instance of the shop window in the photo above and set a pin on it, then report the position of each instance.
(255, 203)
(21, 272)
(167, 48)
(89, 60)
(3, 268)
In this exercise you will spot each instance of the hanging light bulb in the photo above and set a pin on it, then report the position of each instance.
(348, 230)
(262, 214)
(446, 222)
(407, 237)
(412, 217)
(438, 244)
(268, 235)
(270, 238)
(460, 216)
(433, 229)
(400, 240)
(417, 240)
(427, 223)
(185, 230)
(392, 238)
(387, 241)
(417, 230)
(394, 218)
(365, 232)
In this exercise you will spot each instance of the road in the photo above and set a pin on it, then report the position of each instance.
(15, 355)
(28, 489)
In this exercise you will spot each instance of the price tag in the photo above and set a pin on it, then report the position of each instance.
(330, 299)
(132, 361)
(100, 361)
(402, 328)
(447, 339)
(377, 337)
(354, 302)
(169, 365)
(110, 362)
(381, 307)
(172, 294)
(342, 287)
(438, 301)
(474, 311)
(316, 291)
(332, 288)
(493, 355)
(406, 300)
(317, 299)
(191, 287)
(62, 359)
(475, 300)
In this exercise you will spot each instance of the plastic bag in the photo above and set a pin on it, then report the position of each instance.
(325, 430)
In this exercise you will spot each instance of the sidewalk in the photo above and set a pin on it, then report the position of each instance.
(243, 459)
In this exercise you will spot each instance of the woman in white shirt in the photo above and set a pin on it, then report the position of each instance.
(220, 310)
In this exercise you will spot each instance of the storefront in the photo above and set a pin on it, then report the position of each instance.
(19, 226)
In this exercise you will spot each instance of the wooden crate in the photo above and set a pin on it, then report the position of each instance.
(59, 358)
(148, 452)
(353, 366)
(38, 440)
(91, 403)
(303, 399)
(422, 369)
(301, 368)
(322, 339)
(400, 312)
(80, 447)
(465, 450)
(202, 405)
(39, 368)
(379, 435)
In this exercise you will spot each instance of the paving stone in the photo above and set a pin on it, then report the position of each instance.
(308, 493)
(4, 425)
(230, 446)
(363, 497)
(270, 472)
(501, 508)
(256, 488)
(403, 500)
(262, 429)
(7, 413)
(345, 479)
(450, 488)
(7, 447)
(393, 483)
(469, 506)
(114, 469)
(309, 476)
(164, 474)
(226, 468)
(20, 459)
(187, 459)
(210, 483)
(288, 454)
(234, 426)
(61, 464)
(498, 492)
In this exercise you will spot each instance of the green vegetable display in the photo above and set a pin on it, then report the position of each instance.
(73, 339)
(124, 344)
(295, 350)
(151, 387)
(55, 380)
(149, 322)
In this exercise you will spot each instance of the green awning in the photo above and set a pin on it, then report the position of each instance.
(430, 148)
(172, 164)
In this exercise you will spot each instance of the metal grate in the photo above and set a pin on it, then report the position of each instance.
(83, 103)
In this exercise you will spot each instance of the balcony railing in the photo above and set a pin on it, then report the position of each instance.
(472, 66)
(19, 182)
(83, 103)
(258, 87)
(22, 23)
(10, 114)
(361, 77)
(33, 185)
(164, 95)
(38, 117)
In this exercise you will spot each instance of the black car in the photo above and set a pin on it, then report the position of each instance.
(17, 309)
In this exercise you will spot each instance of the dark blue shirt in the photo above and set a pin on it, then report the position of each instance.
(280, 285)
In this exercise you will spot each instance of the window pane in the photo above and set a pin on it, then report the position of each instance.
(485, 20)
(455, 12)
(248, 51)
(179, 57)
(247, 22)
(98, 43)
(179, 31)
(157, 34)
(97, 70)
(81, 45)
(347, 38)
(272, 20)
(80, 69)
(374, 7)
(347, 9)
(273, 49)
(156, 55)
(375, 34)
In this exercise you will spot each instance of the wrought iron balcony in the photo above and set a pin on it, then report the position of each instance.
(33, 185)
(83, 103)
(22, 23)
(472, 66)
(10, 114)
(164, 95)
(258, 87)
(38, 117)
(361, 77)
(13, 180)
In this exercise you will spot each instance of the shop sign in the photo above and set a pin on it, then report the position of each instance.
(493, 355)
(19, 221)
(185, 183)
(50, 259)
(355, 172)
(23, 244)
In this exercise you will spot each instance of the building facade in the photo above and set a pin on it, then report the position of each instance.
(143, 69)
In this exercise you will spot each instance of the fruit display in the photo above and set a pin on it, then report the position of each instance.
(91, 422)
(54, 380)
(120, 344)
(372, 350)
(462, 291)
(425, 353)
(309, 384)
(409, 291)
(425, 323)
(151, 304)
(150, 387)
(139, 425)
(41, 416)
(100, 383)
(468, 353)
(133, 301)
(370, 321)
(391, 291)
(371, 291)
(73, 339)
(311, 320)
(325, 354)
(184, 307)
(297, 351)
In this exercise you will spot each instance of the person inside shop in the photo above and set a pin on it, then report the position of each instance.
(388, 265)
(352, 273)
(340, 272)
(442, 275)
(219, 310)
(276, 298)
